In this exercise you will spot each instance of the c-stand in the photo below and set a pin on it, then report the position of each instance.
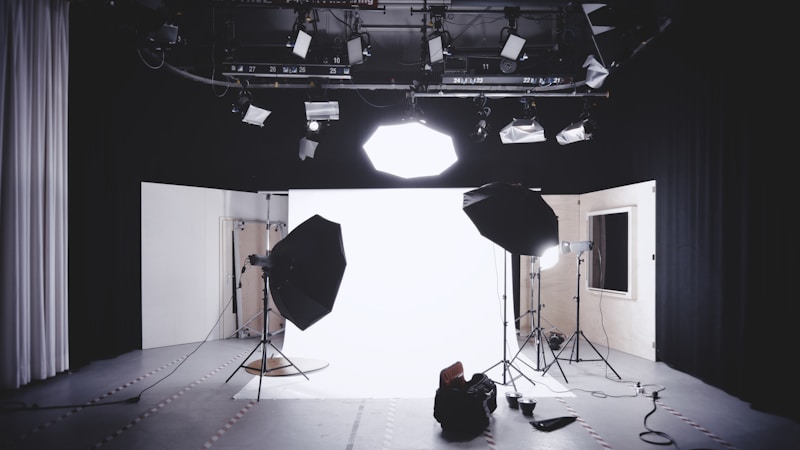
(537, 331)
(266, 339)
(578, 334)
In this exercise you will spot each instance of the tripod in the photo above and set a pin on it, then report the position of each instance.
(266, 339)
(578, 334)
(507, 378)
(537, 331)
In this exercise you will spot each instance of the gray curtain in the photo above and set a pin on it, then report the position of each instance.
(34, 51)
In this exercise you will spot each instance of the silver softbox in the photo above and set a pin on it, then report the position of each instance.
(521, 131)
(578, 131)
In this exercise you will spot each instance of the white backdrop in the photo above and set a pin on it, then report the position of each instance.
(421, 290)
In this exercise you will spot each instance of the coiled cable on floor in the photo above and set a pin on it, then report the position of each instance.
(646, 435)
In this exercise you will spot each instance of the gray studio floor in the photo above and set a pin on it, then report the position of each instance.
(193, 408)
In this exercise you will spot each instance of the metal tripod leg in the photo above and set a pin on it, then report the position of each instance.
(264, 342)
(537, 331)
(505, 362)
(575, 355)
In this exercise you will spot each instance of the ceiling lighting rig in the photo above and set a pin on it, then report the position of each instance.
(539, 51)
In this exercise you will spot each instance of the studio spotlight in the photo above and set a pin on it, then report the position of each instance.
(595, 72)
(439, 41)
(481, 130)
(302, 42)
(435, 49)
(512, 47)
(324, 110)
(307, 148)
(250, 113)
(166, 36)
(513, 44)
(355, 50)
(524, 130)
(582, 130)
(359, 43)
(256, 115)
(575, 247)
(312, 126)
(576, 132)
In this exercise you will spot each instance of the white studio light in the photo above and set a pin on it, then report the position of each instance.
(575, 132)
(255, 115)
(302, 43)
(312, 126)
(436, 49)
(307, 148)
(410, 150)
(575, 246)
(355, 50)
(326, 110)
(512, 47)
(521, 131)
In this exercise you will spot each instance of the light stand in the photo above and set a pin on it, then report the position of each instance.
(578, 334)
(505, 362)
(537, 331)
(266, 340)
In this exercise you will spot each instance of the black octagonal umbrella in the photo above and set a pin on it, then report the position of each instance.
(306, 269)
(513, 217)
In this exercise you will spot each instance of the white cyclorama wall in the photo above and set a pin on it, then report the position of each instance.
(422, 287)
(181, 259)
(181, 268)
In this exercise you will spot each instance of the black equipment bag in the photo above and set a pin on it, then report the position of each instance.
(464, 407)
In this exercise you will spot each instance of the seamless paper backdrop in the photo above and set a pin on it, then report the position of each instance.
(421, 290)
